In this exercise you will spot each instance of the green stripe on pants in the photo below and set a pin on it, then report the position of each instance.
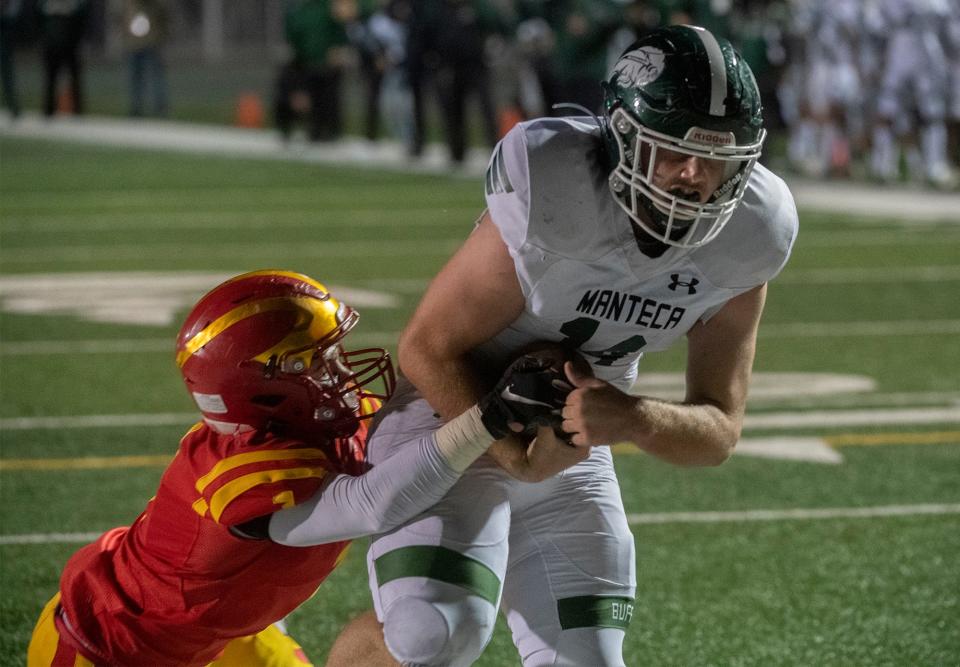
(595, 611)
(441, 564)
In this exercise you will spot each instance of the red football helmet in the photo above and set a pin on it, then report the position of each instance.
(263, 350)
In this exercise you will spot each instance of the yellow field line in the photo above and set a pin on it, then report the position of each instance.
(87, 463)
(916, 438)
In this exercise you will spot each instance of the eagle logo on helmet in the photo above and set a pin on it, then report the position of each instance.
(641, 66)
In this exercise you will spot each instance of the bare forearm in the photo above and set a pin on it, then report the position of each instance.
(697, 432)
(476, 295)
(704, 429)
(450, 385)
(683, 433)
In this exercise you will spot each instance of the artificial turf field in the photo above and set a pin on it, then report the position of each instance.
(867, 313)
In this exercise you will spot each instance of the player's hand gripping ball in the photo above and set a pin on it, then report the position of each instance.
(532, 391)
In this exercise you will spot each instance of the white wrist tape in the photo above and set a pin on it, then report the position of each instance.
(463, 439)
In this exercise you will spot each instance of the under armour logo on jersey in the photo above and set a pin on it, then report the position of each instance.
(691, 285)
(497, 180)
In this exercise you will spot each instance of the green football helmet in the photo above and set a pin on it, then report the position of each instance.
(684, 90)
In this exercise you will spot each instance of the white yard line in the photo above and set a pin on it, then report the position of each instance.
(859, 329)
(859, 400)
(864, 238)
(830, 418)
(135, 297)
(49, 538)
(31, 224)
(223, 141)
(789, 448)
(119, 346)
(851, 275)
(141, 345)
(98, 421)
(240, 250)
(634, 519)
(793, 514)
(909, 206)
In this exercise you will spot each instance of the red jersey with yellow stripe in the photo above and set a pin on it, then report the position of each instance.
(177, 585)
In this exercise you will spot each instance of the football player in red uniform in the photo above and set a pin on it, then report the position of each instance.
(263, 495)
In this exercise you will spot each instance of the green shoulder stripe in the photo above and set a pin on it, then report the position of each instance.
(497, 181)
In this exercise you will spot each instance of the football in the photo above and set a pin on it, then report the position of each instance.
(557, 354)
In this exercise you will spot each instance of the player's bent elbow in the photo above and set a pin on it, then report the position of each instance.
(719, 454)
(407, 350)
(415, 352)
(725, 433)
(712, 450)
(722, 447)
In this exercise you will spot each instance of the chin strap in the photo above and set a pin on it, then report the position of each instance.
(723, 192)
(578, 107)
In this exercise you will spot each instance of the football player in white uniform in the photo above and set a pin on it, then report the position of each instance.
(685, 245)
(952, 42)
(912, 104)
(832, 91)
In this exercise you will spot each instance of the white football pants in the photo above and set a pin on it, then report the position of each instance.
(557, 557)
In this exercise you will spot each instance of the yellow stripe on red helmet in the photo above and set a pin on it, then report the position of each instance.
(323, 320)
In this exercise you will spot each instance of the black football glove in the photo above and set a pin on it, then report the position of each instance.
(531, 393)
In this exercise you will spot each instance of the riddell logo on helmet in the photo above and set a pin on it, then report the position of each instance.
(710, 137)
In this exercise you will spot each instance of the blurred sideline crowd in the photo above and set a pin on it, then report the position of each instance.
(851, 88)
(61, 27)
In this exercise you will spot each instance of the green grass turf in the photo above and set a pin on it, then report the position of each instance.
(816, 593)
(881, 591)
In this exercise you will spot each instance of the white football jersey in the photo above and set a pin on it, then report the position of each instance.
(584, 278)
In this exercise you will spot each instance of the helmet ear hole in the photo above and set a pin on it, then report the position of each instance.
(267, 400)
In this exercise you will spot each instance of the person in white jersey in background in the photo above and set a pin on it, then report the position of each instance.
(912, 102)
(831, 90)
(952, 43)
(616, 236)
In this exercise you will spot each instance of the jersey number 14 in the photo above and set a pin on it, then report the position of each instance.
(578, 331)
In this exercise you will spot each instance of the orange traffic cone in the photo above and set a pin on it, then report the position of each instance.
(249, 111)
(65, 103)
(509, 116)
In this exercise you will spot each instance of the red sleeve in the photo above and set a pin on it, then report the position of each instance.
(250, 481)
